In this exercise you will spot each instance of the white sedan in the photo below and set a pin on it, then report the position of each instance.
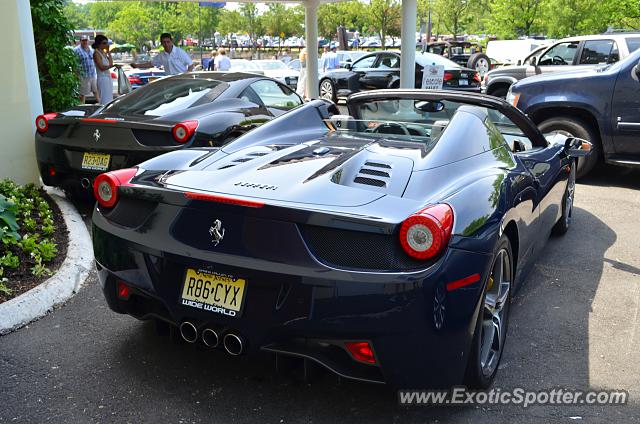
(278, 70)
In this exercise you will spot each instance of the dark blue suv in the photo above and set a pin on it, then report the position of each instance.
(600, 105)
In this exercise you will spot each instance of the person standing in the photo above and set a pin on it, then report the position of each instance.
(173, 59)
(103, 62)
(330, 61)
(222, 62)
(301, 89)
(323, 58)
(211, 66)
(87, 70)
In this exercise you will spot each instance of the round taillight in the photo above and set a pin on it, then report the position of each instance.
(42, 121)
(426, 233)
(183, 131)
(105, 186)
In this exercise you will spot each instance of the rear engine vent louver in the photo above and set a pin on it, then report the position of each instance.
(366, 173)
(375, 172)
(378, 165)
(247, 158)
(370, 181)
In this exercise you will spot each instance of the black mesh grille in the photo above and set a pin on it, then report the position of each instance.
(374, 172)
(358, 250)
(55, 131)
(154, 138)
(370, 181)
(378, 165)
(130, 212)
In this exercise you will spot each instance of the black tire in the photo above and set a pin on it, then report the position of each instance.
(328, 90)
(501, 91)
(479, 62)
(479, 376)
(577, 128)
(562, 226)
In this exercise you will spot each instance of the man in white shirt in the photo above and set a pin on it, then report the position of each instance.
(222, 61)
(173, 59)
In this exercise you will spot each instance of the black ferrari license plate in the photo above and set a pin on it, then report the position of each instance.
(214, 292)
(96, 161)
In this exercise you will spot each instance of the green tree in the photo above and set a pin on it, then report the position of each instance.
(132, 24)
(251, 21)
(514, 18)
(349, 14)
(230, 21)
(77, 14)
(102, 13)
(57, 65)
(280, 19)
(453, 16)
(384, 16)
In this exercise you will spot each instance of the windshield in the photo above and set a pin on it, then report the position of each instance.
(243, 65)
(422, 121)
(167, 96)
(270, 65)
(424, 59)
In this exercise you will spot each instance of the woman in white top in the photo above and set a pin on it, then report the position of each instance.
(301, 89)
(104, 62)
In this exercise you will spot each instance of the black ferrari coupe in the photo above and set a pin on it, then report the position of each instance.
(382, 70)
(384, 244)
(183, 111)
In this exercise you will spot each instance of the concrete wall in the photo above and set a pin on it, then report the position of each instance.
(20, 100)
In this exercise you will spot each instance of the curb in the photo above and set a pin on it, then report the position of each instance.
(55, 291)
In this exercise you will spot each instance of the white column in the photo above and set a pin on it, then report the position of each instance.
(20, 101)
(408, 47)
(311, 37)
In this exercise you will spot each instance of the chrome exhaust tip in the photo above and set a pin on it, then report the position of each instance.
(233, 344)
(210, 338)
(189, 332)
(85, 183)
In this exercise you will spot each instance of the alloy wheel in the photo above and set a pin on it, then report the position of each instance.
(494, 313)
(326, 90)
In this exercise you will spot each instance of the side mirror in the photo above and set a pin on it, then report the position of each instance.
(636, 69)
(347, 66)
(577, 147)
(519, 62)
(533, 61)
(428, 106)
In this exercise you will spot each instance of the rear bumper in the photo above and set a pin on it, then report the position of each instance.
(61, 166)
(310, 314)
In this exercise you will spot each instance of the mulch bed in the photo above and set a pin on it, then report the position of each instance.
(21, 279)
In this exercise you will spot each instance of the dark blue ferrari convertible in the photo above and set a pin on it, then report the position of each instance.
(384, 244)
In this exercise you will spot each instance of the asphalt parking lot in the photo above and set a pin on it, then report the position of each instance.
(574, 325)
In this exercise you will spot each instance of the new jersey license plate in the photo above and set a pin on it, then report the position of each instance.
(214, 292)
(96, 161)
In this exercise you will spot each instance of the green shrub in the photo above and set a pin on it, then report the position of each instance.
(8, 221)
(57, 64)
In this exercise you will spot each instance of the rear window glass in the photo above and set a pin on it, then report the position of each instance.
(633, 44)
(168, 96)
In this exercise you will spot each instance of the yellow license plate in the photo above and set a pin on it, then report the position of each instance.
(96, 161)
(214, 292)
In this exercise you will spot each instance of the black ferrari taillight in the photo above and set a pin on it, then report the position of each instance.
(42, 122)
(426, 233)
(184, 130)
(105, 187)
